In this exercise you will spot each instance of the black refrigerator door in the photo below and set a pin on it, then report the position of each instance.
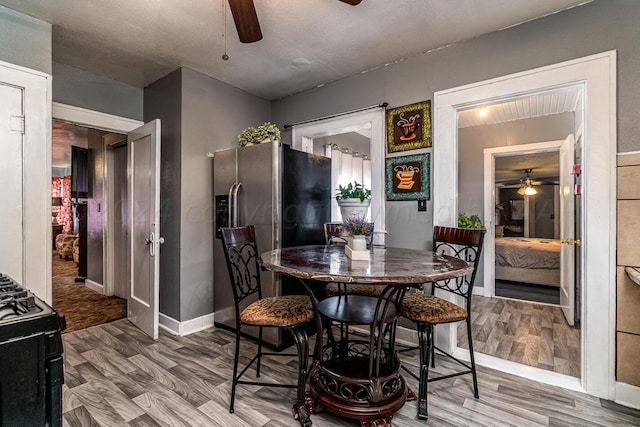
(306, 198)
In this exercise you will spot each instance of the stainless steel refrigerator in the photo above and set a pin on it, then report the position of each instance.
(286, 195)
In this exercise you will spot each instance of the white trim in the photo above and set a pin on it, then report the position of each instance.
(94, 286)
(36, 168)
(525, 371)
(95, 119)
(628, 395)
(187, 327)
(373, 119)
(111, 123)
(490, 154)
(598, 73)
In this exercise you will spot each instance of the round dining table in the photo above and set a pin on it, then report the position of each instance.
(356, 377)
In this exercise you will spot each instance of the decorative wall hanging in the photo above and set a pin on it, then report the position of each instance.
(408, 177)
(409, 127)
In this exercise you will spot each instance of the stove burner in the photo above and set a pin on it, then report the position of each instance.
(14, 300)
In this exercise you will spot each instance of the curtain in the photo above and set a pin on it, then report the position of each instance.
(61, 187)
(345, 168)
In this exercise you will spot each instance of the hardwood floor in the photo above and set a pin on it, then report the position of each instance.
(532, 334)
(117, 376)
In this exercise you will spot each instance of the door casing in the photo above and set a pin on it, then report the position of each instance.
(598, 308)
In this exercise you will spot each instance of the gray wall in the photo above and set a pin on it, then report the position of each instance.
(473, 140)
(163, 100)
(80, 88)
(25, 41)
(595, 27)
(199, 115)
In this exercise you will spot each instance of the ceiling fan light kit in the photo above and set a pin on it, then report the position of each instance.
(527, 186)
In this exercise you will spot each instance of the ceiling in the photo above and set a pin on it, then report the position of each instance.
(544, 167)
(558, 101)
(306, 43)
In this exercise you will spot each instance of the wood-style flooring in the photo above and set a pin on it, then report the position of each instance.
(117, 376)
(532, 334)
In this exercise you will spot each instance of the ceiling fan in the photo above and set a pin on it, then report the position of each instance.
(526, 184)
(246, 19)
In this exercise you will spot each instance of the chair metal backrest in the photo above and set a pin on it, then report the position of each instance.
(463, 243)
(241, 253)
(334, 233)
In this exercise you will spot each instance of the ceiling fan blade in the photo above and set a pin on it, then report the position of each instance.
(351, 2)
(246, 20)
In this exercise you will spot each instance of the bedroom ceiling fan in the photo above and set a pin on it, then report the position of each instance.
(246, 19)
(526, 185)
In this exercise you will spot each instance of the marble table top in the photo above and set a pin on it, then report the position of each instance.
(385, 265)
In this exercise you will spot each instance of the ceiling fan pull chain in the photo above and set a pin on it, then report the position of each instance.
(225, 57)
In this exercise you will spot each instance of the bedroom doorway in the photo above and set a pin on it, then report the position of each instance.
(517, 314)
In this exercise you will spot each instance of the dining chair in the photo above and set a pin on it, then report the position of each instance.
(290, 312)
(428, 310)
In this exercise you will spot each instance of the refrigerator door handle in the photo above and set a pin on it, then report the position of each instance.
(235, 204)
(230, 206)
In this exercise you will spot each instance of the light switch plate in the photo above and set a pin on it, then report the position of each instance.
(422, 205)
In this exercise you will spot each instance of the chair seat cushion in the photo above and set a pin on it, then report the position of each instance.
(282, 311)
(424, 308)
(334, 289)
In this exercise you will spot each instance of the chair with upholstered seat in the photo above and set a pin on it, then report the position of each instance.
(290, 312)
(428, 310)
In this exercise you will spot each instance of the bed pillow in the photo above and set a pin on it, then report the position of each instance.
(499, 230)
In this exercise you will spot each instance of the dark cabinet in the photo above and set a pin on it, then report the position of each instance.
(55, 230)
(81, 213)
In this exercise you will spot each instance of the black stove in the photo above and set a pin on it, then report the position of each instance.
(31, 368)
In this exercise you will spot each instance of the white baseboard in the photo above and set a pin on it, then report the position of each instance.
(94, 286)
(187, 327)
(628, 395)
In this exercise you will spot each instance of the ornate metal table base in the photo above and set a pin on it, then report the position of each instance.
(345, 389)
(369, 415)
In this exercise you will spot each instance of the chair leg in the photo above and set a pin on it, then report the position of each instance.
(234, 382)
(259, 351)
(433, 350)
(302, 343)
(473, 361)
(425, 339)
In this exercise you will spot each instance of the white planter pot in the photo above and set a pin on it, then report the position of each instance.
(350, 208)
(359, 243)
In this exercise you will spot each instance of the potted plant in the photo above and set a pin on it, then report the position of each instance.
(263, 133)
(472, 221)
(354, 200)
(358, 229)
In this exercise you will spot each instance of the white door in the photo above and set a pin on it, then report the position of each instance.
(144, 215)
(11, 250)
(567, 230)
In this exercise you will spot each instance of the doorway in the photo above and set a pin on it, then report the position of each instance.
(107, 125)
(77, 217)
(597, 75)
(370, 122)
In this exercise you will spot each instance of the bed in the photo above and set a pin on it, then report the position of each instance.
(528, 260)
